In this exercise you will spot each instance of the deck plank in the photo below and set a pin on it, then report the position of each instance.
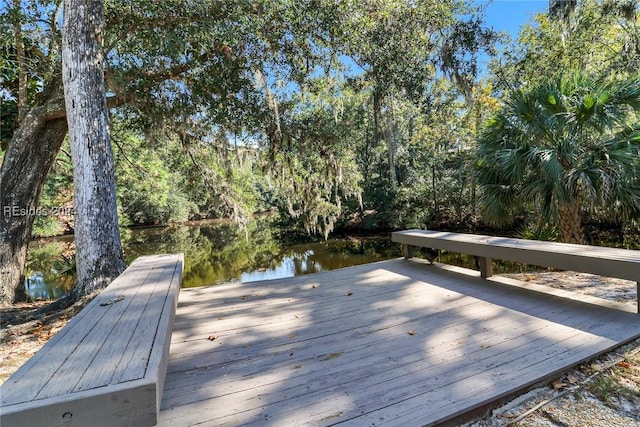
(144, 330)
(391, 343)
(99, 372)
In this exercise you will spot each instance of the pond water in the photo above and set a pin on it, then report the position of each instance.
(221, 252)
(214, 253)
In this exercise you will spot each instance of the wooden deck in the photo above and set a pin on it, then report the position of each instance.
(399, 343)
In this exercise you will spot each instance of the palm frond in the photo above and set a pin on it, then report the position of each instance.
(574, 138)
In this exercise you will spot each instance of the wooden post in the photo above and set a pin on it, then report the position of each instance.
(486, 269)
(407, 251)
(638, 296)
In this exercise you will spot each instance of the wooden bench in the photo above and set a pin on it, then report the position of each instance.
(609, 262)
(106, 367)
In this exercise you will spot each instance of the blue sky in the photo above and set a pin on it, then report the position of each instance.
(510, 15)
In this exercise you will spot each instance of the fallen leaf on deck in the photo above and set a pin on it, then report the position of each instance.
(112, 301)
(336, 415)
(212, 337)
(624, 364)
(326, 357)
(245, 297)
(485, 346)
(349, 294)
(411, 333)
(292, 335)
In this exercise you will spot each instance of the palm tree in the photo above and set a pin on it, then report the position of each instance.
(569, 144)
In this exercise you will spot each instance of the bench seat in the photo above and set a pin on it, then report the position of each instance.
(603, 261)
(106, 367)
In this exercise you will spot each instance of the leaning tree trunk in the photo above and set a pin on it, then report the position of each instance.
(571, 230)
(26, 163)
(392, 146)
(99, 257)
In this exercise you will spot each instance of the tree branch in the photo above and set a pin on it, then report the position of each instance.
(171, 72)
(56, 109)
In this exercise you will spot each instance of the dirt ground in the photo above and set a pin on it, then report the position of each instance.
(24, 329)
(602, 392)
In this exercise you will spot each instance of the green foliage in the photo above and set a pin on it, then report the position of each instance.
(46, 226)
(598, 37)
(433, 163)
(572, 140)
(631, 235)
(179, 175)
(40, 43)
(341, 109)
(363, 110)
(539, 231)
(313, 165)
(56, 200)
(400, 45)
(144, 184)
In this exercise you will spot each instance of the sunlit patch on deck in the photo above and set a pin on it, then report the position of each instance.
(390, 343)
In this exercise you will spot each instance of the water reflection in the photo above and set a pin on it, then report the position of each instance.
(50, 268)
(214, 253)
(290, 266)
(38, 288)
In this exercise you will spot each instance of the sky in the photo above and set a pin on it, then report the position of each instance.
(510, 15)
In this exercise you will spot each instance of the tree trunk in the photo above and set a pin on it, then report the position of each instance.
(377, 112)
(392, 145)
(98, 248)
(571, 230)
(436, 205)
(26, 163)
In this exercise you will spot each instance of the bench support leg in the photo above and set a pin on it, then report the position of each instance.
(407, 251)
(486, 269)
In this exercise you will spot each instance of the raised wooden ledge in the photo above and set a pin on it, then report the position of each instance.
(603, 261)
(106, 367)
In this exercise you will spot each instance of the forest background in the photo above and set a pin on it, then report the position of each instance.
(359, 116)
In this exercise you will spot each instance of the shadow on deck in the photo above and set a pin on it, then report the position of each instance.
(391, 343)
